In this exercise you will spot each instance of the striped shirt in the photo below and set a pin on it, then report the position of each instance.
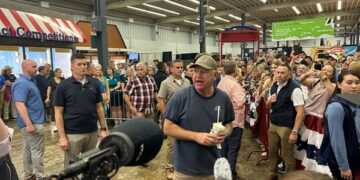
(142, 93)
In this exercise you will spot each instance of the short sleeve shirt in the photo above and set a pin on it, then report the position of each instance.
(79, 102)
(25, 90)
(193, 112)
(169, 86)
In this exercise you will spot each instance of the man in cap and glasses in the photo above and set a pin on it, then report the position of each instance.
(189, 118)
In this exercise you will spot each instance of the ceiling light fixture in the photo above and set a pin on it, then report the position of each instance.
(197, 2)
(235, 17)
(180, 5)
(221, 19)
(338, 18)
(146, 11)
(296, 10)
(161, 9)
(318, 5)
(256, 25)
(338, 25)
(263, 1)
(339, 5)
(191, 22)
(276, 10)
(209, 22)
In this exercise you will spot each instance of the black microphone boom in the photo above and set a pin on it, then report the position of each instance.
(134, 142)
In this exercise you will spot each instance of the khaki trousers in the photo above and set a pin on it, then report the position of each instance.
(79, 143)
(279, 136)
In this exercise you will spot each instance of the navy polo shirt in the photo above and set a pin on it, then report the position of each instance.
(25, 90)
(79, 102)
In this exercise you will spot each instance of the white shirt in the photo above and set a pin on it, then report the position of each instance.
(5, 144)
(296, 97)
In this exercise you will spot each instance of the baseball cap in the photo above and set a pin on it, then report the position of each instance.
(7, 67)
(205, 61)
(332, 56)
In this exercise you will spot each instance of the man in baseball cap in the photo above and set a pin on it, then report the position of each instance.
(189, 117)
(7, 67)
(331, 59)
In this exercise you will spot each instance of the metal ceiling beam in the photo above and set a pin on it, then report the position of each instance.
(21, 5)
(248, 10)
(334, 13)
(122, 4)
(265, 7)
(345, 22)
(224, 25)
(194, 16)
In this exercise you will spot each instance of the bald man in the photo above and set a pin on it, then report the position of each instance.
(30, 120)
(140, 93)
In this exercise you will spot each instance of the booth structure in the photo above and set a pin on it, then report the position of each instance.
(239, 34)
(40, 38)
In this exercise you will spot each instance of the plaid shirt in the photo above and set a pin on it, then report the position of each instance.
(142, 93)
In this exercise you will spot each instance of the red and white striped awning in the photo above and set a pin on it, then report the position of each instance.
(27, 25)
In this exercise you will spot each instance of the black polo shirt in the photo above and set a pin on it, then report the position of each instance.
(79, 102)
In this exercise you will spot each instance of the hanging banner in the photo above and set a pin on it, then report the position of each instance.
(320, 27)
(350, 50)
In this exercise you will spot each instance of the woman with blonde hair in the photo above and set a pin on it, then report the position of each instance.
(98, 74)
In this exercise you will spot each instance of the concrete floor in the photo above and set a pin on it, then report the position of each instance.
(155, 170)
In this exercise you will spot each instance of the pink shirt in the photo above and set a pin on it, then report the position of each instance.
(237, 96)
(317, 99)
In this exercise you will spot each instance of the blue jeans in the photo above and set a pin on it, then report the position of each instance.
(230, 148)
(7, 168)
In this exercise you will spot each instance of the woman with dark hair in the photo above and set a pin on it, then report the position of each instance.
(52, 84)
(340, 148)
(321, 86)
(116, 100)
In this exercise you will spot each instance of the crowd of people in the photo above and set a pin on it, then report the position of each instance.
(311, 125)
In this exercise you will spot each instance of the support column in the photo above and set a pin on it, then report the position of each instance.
(242, 19)
(99, 26)
(264, 33)
(345, 36)
(202, 35)
(357, 34)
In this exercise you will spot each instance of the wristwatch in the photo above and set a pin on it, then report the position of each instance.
(294, 132)
(103, 129)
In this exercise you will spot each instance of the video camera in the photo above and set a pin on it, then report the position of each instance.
(134, 142)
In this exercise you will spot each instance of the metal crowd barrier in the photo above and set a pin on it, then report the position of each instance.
(116, 101)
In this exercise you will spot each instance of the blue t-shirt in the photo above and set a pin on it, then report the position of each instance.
(193, 112)
(25, 90)
(101, 86)
(2, 81)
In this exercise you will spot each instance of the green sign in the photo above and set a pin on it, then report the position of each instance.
(320, 27)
